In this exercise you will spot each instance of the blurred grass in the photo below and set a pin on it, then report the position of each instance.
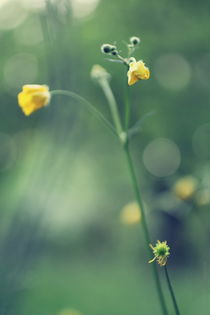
(104, 287)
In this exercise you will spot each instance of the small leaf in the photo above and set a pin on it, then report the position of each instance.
(137, 127)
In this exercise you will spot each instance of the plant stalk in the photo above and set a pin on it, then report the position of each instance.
(171, 291)
(144, 225)
(123, 137)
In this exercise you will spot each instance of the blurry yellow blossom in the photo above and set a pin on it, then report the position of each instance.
(69, 311)
(185, 187)
(33, 97)
(161, 252)
(130, 214)
(137, 71)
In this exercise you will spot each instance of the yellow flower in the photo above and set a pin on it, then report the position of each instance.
(185, 187)
(130, 214)
(33, 97)
(161, 252)
(137, 71)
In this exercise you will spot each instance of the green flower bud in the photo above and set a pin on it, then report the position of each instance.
(135, 40)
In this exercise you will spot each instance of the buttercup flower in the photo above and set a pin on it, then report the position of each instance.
(161, 252)
(33, 97)
(185, 187)
(130, 214)
(137, 71)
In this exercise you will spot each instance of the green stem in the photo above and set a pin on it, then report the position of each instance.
(112, 105)
(123, 136)
(144, 225)
(171, 291)
(89, 106)
(127, 107)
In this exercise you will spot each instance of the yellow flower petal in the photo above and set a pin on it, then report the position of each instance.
(33, 97)
(137, 71)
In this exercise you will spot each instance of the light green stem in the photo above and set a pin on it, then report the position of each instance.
(112, 105)
(125, 144)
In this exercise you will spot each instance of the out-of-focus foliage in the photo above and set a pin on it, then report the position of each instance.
(63, 179)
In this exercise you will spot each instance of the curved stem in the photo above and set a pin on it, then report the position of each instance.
(171, 291)
(112, 105)
(89, 106)
(144, 225)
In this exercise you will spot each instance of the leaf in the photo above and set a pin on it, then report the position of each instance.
(137, 127)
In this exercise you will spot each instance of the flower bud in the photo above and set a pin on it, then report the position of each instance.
(107, 48)
(33, 97)
(135, 40)
(99, 73)
(114, 52)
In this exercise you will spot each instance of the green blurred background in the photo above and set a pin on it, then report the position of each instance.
(64, 179)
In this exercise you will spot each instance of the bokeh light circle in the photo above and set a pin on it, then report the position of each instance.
(203, 76)
(162, 157)
(201, 141)
(11, 14)
(172, 71)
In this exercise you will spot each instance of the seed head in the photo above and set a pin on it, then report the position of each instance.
(161, 252)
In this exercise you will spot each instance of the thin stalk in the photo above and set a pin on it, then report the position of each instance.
(89, 106)
(112, 105)
(144, 225)
(123, 137)
(171, 291)
(127, 107)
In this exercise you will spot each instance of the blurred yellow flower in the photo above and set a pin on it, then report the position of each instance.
(69, 311)
(137, 71)
(185, 187)
(33, 97)
(130, 213)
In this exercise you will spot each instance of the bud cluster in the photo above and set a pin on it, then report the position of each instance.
(109, 49)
